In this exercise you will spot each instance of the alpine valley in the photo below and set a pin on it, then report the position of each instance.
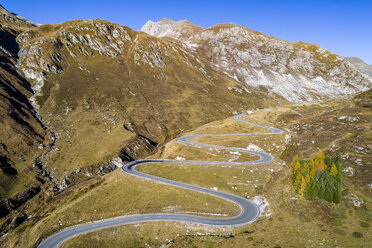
(80, 99)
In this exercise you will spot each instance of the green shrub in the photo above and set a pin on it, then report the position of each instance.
(357, 235)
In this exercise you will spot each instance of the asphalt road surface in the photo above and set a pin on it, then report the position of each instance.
(249, 210)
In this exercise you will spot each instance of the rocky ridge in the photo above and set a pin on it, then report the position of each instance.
(169, 28)
(299, 72)
(15, 19)
(360, 65)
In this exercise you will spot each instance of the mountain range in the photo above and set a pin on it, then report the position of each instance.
(298, 72)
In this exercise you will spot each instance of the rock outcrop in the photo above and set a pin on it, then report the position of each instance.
(18, 200)
(137, 148)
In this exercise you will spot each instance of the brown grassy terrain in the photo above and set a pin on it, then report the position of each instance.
(113, 195)
(141, 235)
(95, 96)
(94, 91)
(20, 131)
(293, 222)
(85, 138)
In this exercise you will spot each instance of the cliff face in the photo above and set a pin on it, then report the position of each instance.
(296, 71)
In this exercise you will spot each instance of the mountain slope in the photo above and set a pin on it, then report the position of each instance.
(296, 71)
(21, 132)
(14, 20)
(360, 65)
(155, 87)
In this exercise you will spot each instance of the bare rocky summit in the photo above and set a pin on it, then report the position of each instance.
(299, 72)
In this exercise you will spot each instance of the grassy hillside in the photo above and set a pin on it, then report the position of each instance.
(21, 133)
(288, 221)
(110, 75)
(102, 88)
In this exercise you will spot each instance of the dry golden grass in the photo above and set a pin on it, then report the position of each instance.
(88, 141)
(113, 195)
(10, 185)
(138, 235)
(293, 222)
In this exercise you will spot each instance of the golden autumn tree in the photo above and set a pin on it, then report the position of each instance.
(312, 168)
(304, 168)
(333, 170)
(322, 166)
(297, 180)
(307, 178)
(320, 161)
(320, 156)
(296, 164)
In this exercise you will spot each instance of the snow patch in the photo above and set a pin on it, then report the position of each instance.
(250, 112)
(37, 88)
(235, 89)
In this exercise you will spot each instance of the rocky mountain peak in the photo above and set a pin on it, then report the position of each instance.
(168, 28)
(360, 65)
(296, 71)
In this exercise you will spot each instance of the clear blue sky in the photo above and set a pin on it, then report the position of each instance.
(343, 27)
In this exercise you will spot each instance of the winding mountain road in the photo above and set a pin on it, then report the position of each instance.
(249, 210)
